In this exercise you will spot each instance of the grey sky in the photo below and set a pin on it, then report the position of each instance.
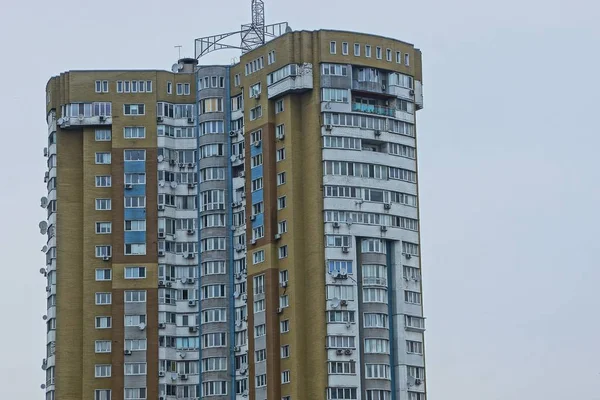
(507, 161)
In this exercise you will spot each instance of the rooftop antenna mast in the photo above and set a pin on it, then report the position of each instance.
(252, 35)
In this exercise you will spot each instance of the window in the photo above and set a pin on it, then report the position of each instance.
(255, 113)
(135, 202)
(256, 136)
(339, 266)
(341, 393)
(341, 342)
(261, 380)
(254, 90)
(134, 155)
(102, 394)
(101, 86)
(211, 388)
(282, 227)
(257, 208)
(367, 51)
(410, 248)
(259, 306)
(283, 251)
(332, 47)
(415, 372)
(399, 57)
(374, 295)
(375, 320)
(402, 150)
(414, 347)
(103, 299)
(134, 132)
(411, 273)
(212, 244)
(259, 284)
(103, 158)
(279, 106)
(214, 364)
(169, 87)
(280, 178)
(284, 326)
(103, 181)
(135, 369)
(342, 292)
(335, 69)
(135, 272)
(256, 161)
(213, 291)
(103, 227)
(213, 315)
(378, 394)
(285, 351)
(134, 320)
(281, 203)
(103, 371)
(402, 174)
(135, 296)
(377, 346)
(285, 376)
(260, 330)
(388, 55)
(406, 60)
(414, 322)
(284, 301)
(103, 135)
(335, 95)
(378, 53)
(103, 346)
(377, 371)
(257, 184)
(412, 297)
(258, 257)
(236, 80)
(103, 251)
(133, 109)
(341, 317)
(213, 104)
(260, 355)
(271, 57)
(211, 150)
(357, 49)
(337, 241)
(135, 225)
(103, 274)
(135, 394)
(345, 48)
(373, 246)
(342, 367)
(280, 131)
(103, 322)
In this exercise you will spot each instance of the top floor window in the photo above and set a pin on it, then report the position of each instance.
(332, 48)
(101, 86)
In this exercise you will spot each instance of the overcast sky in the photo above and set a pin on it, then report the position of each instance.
(509, 177)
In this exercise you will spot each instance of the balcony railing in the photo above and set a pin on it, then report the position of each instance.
(373, 109)
(368, 281)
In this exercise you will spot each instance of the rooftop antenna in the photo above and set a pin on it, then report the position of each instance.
(179, 50)
(252, 35)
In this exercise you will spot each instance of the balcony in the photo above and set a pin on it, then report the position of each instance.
(79, 121)
(374, 109)
(374, 281)
(291, 79)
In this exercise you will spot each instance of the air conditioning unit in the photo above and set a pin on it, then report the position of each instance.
(377, 132)
(183, 377)
(191, 231)
(190, 120)
(239, 248)
(127, 352)
(280, 136)
(336, 224)
(253, 241)
(328, 127)
(411, 92)
(161, 234)
(102, 118)
(192, 303)
(339, 352)
(45, 152)
(161, 283)
(238, 276)
(418, 381)
(343, 302)
(169, 284)
(238, 323)
(190, 281)
(252, 217)
(387, 206)
(48, 289)
(244, 297)
(193, 329)
(256, 143)
(345, 249)
(191, 186)
(161, 374)
(279, 310)
(159, 119)
(106, 258)
(243, 371)
(161, 253)
(277, 236)
(181, 165)
(383, 88)
(172, 162)
(128, 186)
(234, 204)
(189, 255)
(340, 275)
(232, 133)
(245, 394)
(161, 207)
(407, 255)
(257, 96)
(191, 165)
(383, 228)
(348, 352)
(284, 284)
(242, 174)
(162, 325)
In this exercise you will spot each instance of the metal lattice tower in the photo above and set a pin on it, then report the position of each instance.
(252, 35)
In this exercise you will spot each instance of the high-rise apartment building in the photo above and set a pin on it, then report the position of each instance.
(238, 231)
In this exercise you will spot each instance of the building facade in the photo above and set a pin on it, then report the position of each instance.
(238, 231)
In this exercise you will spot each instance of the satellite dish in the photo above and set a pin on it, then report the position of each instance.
(335, 303)
(44, 249)
(42, 271)
(161, 183)
(43, 225)
(236, 294)
(288, 29)
(179, 66)
(142, 326)
(233, 158)
(182, 355)
(161, 158)
(44, 317)
(175, 68)
(173, 184)
(43, 386)
(43, 202)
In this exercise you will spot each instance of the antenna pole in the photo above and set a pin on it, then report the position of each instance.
(179, 50)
